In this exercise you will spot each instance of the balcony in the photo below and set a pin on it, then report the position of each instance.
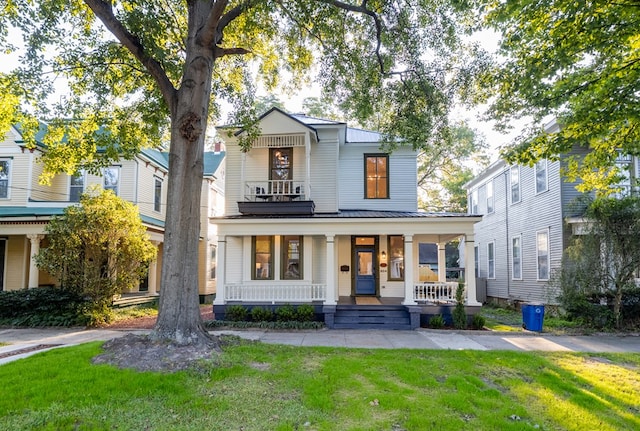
(276, 197)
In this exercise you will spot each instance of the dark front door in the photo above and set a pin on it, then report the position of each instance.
(365, 279)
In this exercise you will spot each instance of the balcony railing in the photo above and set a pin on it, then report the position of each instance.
(275, 293)
(274, 190)
(436, 291)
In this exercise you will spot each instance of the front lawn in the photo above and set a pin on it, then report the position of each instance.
(269, 387)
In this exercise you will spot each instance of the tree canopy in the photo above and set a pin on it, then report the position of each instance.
(141, 70)
(98, 248)
(580, 63)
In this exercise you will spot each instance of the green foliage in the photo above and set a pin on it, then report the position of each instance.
(236, 313)
(260, 314)
(97, 249)
(459, 313)
(285, 313)
(45, 306)
(599, 266)
(478, 321)
(579, 62)
(291, 324)
(305, 313)
(437, 322)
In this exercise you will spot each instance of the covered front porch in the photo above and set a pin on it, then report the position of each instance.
(275, 261)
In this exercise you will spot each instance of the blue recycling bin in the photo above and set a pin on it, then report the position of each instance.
(532, 317)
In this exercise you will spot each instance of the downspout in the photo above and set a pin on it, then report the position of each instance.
(507, 197)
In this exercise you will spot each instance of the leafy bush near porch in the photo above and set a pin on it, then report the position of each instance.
(236, 313)
(459, 313)
(437, 322)
(286, 313)
(44, 306)
(259, 314)
(305, 313)
(478, 322)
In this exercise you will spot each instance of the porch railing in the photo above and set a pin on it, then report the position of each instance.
(274, 190)
(436, 291)
(275, 293)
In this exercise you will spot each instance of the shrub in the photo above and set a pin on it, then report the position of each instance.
(478, 322)
(286, 313)
(305, 313)
(259, 314)
(459, 313)
(437, 322)
(44, 306)
(236, 313)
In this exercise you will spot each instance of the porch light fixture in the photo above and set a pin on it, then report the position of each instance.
(383, 256)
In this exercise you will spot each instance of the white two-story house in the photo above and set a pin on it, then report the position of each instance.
(317, 213)
(26, 206)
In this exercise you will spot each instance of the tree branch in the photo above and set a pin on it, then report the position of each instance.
(221, 52)
(104, 11)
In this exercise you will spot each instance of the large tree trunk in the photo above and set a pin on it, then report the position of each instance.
(179, 311)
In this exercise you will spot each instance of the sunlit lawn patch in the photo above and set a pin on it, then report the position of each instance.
(268, 387)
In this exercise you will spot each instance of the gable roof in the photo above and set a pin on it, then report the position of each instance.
(212, 162)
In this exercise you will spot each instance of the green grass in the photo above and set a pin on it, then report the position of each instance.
(269, 387)
(510, 320)
(133, 312)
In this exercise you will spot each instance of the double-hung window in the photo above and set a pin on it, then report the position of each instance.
(291, 268)
(157, 194)
(396, 257)
(514, 174)
(5, 175)
(262, 252)
(516, 257)
(76, 187)
(111, 178)
(490, 201)
(542, 249)
(541, 176)
(473, 205)
(491, 260)
(376, 181)
(213, 261)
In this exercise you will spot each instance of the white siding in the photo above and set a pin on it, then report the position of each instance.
(324, 178)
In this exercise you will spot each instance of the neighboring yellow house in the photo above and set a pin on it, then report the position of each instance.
(27, 206)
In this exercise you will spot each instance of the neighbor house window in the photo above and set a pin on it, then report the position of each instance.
(476, 258)
(490, 197)
(624, 163)
(515, 184)
(474, 202)
(376, 176)
(157, 194)
(491, 260)
(5, 174)
(541, 176)
(213, 260)
(516, 257)
(291, 257)
(111, 179)
(76, 187)
(396, 257)
(542, 248)
(262, 252)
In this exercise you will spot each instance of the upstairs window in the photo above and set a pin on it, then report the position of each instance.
(515, 184)
(541, 176)
(157, 194)
(111, 178)
(76, 187)
(376, 181)
(5, 173)
(490, 197)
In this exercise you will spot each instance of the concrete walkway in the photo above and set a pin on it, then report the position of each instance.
(25, 342)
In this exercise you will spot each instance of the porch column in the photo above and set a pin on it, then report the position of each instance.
(409, 265)
(153, 273)
(33, 268)
(469, 270)
(220, 270)
(332, 285)
(442, 262)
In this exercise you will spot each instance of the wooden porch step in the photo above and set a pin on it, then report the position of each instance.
(372, 317)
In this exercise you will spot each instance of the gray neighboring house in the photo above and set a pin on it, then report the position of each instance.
(529, 215)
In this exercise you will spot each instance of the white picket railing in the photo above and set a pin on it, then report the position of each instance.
(275, 293)
(436, 291)
(274, 190)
